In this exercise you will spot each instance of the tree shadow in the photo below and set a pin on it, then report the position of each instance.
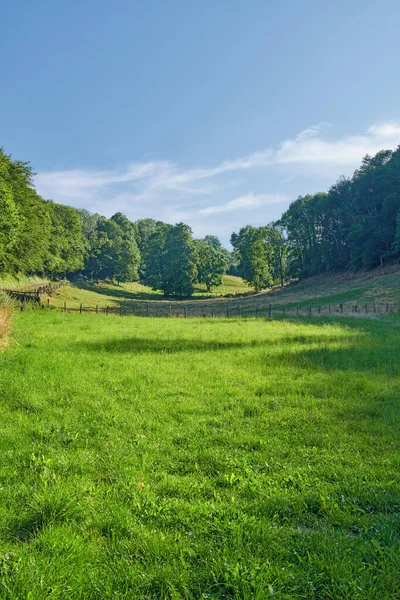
(122, 293)
(356, 348)
(137, 345)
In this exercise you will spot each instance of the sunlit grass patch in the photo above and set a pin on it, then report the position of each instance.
(199, 458)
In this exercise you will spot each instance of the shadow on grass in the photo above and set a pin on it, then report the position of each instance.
(357, 349)
(137, 345)
(122, 293)
(124, 296)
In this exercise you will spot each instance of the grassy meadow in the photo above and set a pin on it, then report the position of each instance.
(126, 294)
(187, 459)
(324, 294)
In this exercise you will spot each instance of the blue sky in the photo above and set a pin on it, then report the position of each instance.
(218, 113)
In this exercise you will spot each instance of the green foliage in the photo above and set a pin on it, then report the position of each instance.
(171, 260)
(9, 224)
(254, 253)
(31, 247)
(128, 255)
(180, 261)
(190, 459)
(211, 263)
(353, 226)
(67, 244)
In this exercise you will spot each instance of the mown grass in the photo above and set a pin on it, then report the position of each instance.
(187, 459)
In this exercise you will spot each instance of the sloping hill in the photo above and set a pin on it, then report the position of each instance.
(345, 293)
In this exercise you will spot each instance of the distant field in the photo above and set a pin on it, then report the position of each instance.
(199, 459)
(234, 297)
(114, 296)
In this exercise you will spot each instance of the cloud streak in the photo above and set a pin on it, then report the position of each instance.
(245, 202)
(159, 188)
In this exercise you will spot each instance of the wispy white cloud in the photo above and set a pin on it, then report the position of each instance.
(245, 202)
(164, 189)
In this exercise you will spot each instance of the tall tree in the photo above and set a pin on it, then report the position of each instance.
(9, 225)
(211, 263)
(254, 253)
(180, 261)
(67, 246)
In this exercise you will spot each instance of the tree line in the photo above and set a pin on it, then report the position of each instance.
(355, 225)
(41, 237)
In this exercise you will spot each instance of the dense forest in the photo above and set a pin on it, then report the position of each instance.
(355, 225)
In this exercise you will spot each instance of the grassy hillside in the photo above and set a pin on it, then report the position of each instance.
(380, 285)
(113, 295)
(19, 281)
(199, 459)
(327, 292)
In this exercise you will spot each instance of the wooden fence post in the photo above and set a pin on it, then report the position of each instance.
(319, 309)
(329, 309)
(185, 309)
(387, 307)
(97, 309)
(374, 307)
(106, 310)
(270, 310)
(80, 309)
(366, 309)
(65, 307)
(170, 311)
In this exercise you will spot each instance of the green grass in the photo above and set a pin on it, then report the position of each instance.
(326, 291)
(380, 286)
(191, 459)
(19, 281)
(230, 285)
(105, 294)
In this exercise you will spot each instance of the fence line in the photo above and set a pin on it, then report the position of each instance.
(33, 294)
(220, 309)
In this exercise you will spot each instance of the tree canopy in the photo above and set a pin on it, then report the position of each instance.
(354, 225)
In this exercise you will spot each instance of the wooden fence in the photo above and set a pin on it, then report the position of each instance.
(34, 294)
(219, 309)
